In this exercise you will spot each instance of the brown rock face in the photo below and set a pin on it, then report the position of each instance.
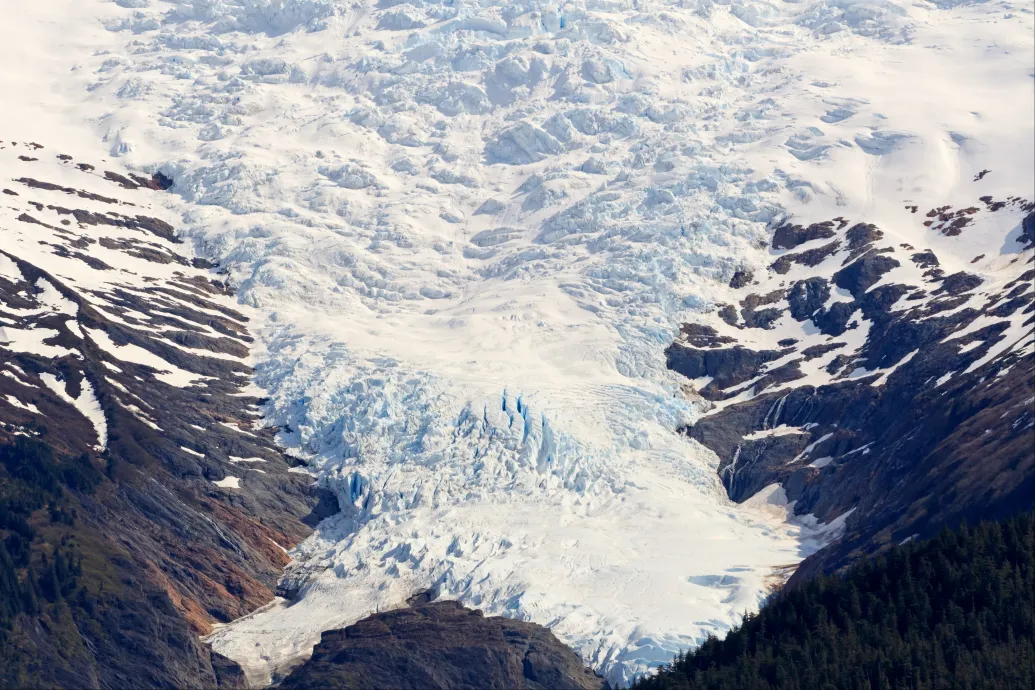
(442, 645)
(172, 507)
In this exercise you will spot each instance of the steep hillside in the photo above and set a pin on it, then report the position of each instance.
(139, 506)
(888, 373)
(955, 611)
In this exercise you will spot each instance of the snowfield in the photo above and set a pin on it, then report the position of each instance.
(473, 227)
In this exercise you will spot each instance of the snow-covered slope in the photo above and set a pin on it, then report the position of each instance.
(887, 372)
(474, 228)
(125, 386)
(81, 283)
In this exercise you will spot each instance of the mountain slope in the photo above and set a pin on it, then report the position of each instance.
(470, 230)
(139, 505)
(867, 372)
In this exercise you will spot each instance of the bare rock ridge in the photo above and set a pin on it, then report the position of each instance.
(442, 645)
(118, 349)
(873, 383)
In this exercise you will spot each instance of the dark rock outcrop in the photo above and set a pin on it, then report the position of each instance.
(1027, 237)
(442, 645)
(789, 236)
(902, 407)
(742, 278)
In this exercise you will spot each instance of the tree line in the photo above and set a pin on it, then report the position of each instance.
(955, 611)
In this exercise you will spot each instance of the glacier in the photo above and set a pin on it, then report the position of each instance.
(471, 229)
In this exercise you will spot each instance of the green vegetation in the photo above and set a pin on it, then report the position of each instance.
(31, 478)
(952, 612)
(40, 565)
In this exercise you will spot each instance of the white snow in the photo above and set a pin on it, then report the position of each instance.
(885, 373)
(781, 430)
(167, 373)
(472, 228)
(821, 462)
(33, 341)
(772, 499)
(863, 449)
(22, 405)
(1018, 335)
(140, 414)
(228, 482)
(10, 270)
(812, 446)
(203, 353)
(21, 376)
(86, 403)
(52, 298)
(236, 428)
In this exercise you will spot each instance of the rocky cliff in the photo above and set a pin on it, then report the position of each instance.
(875, 378)
(442, 645)
(133, 467)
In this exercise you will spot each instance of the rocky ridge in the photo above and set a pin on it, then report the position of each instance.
(442, 645)
(119, 347)
(876, 379)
